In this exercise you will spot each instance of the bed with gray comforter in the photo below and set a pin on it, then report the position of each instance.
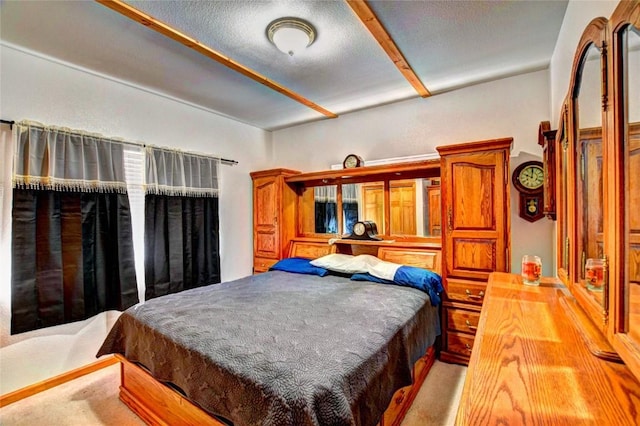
(280, 348)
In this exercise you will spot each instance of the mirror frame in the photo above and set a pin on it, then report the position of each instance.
(594, 34)
(562, 203)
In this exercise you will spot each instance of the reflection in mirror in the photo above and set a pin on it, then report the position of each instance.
(318, 210)
(433, 209)
(590, 237)
(414, 206)
(565, 206)
(326, 209)
(631, 70)
(366, 203)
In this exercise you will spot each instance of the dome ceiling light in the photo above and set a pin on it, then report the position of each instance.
(291, 35)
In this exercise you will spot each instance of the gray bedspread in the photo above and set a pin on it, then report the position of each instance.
(282, 349)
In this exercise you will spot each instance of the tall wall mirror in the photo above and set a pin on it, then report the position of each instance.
(582, 180)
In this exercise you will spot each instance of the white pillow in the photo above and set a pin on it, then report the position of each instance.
(385, 270)
(346, 263)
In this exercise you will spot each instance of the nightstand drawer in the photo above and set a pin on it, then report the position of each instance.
(462, 320)
(262, 264)
(466, 291)
(459, 343)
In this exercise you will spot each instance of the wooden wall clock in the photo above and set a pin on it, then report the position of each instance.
(528, 178)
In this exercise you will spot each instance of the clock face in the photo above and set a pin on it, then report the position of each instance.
(351, 161)
(531, 177)
(358, 228)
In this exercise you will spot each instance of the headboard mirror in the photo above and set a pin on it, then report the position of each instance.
(414, 206)
(403, 200)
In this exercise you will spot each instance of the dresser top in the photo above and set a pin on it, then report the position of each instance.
(530, 364)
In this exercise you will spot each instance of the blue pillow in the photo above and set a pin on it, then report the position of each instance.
(410, 276)
(422, 279)
(298, 265)
(368, 277)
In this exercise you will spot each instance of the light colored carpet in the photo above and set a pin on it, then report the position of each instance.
(92, 400)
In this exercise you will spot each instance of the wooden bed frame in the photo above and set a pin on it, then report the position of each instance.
(158, 404)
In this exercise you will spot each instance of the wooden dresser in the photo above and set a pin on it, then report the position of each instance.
(531, 366)
(475, 235)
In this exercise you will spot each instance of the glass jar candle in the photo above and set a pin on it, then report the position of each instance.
(531, 269)
(594, 274)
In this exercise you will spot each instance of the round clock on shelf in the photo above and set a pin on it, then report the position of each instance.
(352, 161)
(528, 179)
(364, 230)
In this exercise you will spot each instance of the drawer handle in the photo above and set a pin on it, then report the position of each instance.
(469, 326)
(473, 296)
(468, 346)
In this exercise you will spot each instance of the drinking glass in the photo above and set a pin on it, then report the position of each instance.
(594, 274)
(531, 269)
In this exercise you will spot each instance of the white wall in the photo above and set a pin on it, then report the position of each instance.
(577, 16)
(35, 88)
(512, 107)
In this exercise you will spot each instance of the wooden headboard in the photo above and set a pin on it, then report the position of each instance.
(427, 258)
(310, 249)
(422, 257)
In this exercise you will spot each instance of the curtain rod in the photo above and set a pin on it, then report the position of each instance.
(222, 160)
(9, 122)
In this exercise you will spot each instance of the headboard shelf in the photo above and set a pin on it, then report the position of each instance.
(390, 243)
(409, 170)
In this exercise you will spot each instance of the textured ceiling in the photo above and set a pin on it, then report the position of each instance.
(449, 44)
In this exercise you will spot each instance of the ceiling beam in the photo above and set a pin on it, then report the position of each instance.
(168, 31)
(370, 20)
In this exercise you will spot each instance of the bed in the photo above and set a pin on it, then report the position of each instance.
(278, 348)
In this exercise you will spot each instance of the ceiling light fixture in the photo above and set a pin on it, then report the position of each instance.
(291, 35)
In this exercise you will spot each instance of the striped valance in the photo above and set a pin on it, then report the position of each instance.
(179, 173)
(58, 158)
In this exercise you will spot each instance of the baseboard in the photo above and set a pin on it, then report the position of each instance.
(28, 391)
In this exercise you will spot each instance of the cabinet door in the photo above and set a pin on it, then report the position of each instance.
(403, 208)
(266, 212)
(373, 196)
(474, 207)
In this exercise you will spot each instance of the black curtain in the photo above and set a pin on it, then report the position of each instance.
(326, 221)
(182, 245)
(72, 257)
